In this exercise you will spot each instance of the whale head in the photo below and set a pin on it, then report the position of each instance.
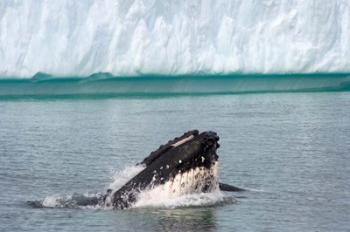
(187, 164)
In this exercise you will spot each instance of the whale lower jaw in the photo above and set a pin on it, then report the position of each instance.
(195, 180)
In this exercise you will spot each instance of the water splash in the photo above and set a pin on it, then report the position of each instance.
(197, 187)
(157, 198)
(122, 176)
(87, 200)
(178, 192)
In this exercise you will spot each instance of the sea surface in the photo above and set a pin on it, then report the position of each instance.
(289, 150)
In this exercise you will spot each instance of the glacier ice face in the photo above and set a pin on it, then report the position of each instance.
(173, 37)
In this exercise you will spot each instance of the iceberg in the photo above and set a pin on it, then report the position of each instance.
(131, 38)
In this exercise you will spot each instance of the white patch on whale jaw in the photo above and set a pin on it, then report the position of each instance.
(196, 180)
(195, 187)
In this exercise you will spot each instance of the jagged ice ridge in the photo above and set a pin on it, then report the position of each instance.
(126, 37)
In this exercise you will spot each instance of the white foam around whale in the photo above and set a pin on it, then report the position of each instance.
(185, 190)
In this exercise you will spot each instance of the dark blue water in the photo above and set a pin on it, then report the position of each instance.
(290, 149)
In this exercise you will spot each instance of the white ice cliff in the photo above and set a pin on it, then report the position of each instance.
(173, 37)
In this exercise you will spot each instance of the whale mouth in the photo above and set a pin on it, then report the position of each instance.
(200, 152)
(198, 170)
(187, 154)
(194, 180)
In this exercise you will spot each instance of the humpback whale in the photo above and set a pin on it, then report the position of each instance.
(186, 164)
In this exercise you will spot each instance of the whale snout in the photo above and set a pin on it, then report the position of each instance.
(209, 141)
